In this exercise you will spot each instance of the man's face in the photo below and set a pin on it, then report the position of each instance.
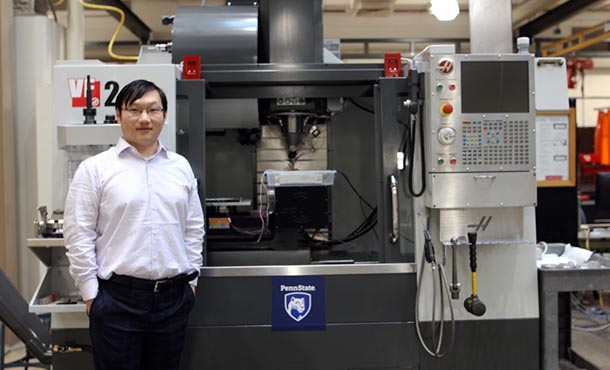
(142, 121)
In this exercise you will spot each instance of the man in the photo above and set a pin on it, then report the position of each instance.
(134, 232)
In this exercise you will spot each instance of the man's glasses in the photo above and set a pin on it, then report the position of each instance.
(137, 112)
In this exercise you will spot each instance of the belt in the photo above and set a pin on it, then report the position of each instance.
(153, 285)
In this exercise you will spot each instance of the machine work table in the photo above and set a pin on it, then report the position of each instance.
(551, 282)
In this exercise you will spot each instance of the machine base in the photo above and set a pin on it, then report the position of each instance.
(490, 344)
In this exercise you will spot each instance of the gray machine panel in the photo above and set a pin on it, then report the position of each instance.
(369, 322)
(339, 347)
(478, 190)
(501, 345)
(493, 225)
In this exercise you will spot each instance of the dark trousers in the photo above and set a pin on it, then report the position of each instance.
(137, 329)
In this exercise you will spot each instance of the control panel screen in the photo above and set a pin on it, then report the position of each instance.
(495, 87)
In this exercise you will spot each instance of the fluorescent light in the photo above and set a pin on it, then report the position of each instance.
(444, 10)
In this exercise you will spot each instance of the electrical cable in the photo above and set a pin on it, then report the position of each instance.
(116, 32)
(408, 144)
(265, 221)
(52, 6)
(591, 329)
(242, 230)
(410, 147)
(367, 225)
(591, 313)
(437, 343)
(361, 106)
(354, 189)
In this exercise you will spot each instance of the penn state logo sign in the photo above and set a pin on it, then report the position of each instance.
(297, 305)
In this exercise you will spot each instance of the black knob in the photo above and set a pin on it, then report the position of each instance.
(167, 20)
(110, 118)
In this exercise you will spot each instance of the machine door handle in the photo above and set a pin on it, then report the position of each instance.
(394, 195)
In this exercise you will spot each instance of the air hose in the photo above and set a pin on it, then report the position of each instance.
(428, 257)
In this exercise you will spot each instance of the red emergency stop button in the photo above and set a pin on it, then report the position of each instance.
(446, 109)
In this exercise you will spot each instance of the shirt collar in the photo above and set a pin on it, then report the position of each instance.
(123, 145)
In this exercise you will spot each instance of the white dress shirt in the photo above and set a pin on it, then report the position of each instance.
(130, 215)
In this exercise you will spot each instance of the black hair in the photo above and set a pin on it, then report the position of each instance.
(134, 91)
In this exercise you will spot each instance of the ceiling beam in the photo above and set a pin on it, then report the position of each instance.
(132, 22)
(553, 17)
(527, 10)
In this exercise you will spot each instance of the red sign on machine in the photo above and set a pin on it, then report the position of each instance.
(191, 67)
(78, 92)
(392, 65)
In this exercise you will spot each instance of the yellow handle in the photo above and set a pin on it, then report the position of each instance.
(474, 282)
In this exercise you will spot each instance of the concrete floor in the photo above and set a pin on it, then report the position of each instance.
(15, 353)
(593, 348)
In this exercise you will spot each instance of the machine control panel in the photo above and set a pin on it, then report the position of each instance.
(480, 112)
(479, 129)
(499, 142)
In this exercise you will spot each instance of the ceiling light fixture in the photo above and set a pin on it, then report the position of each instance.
(444, 10)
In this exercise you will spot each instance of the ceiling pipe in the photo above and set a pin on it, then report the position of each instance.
(75, 34)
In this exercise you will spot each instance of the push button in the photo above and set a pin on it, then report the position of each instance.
(446, 109)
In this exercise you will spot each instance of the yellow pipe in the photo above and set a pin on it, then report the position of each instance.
(587, 233)
(116, 32)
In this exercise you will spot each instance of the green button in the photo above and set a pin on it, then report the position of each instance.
(439, 87)
(440, 161)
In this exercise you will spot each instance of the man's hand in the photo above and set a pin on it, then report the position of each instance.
(193, 287)
(89, 303)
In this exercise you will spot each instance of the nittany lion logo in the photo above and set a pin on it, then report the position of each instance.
(297, 305)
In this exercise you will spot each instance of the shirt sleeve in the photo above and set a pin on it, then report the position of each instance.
(80, 229)
(194, 230)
